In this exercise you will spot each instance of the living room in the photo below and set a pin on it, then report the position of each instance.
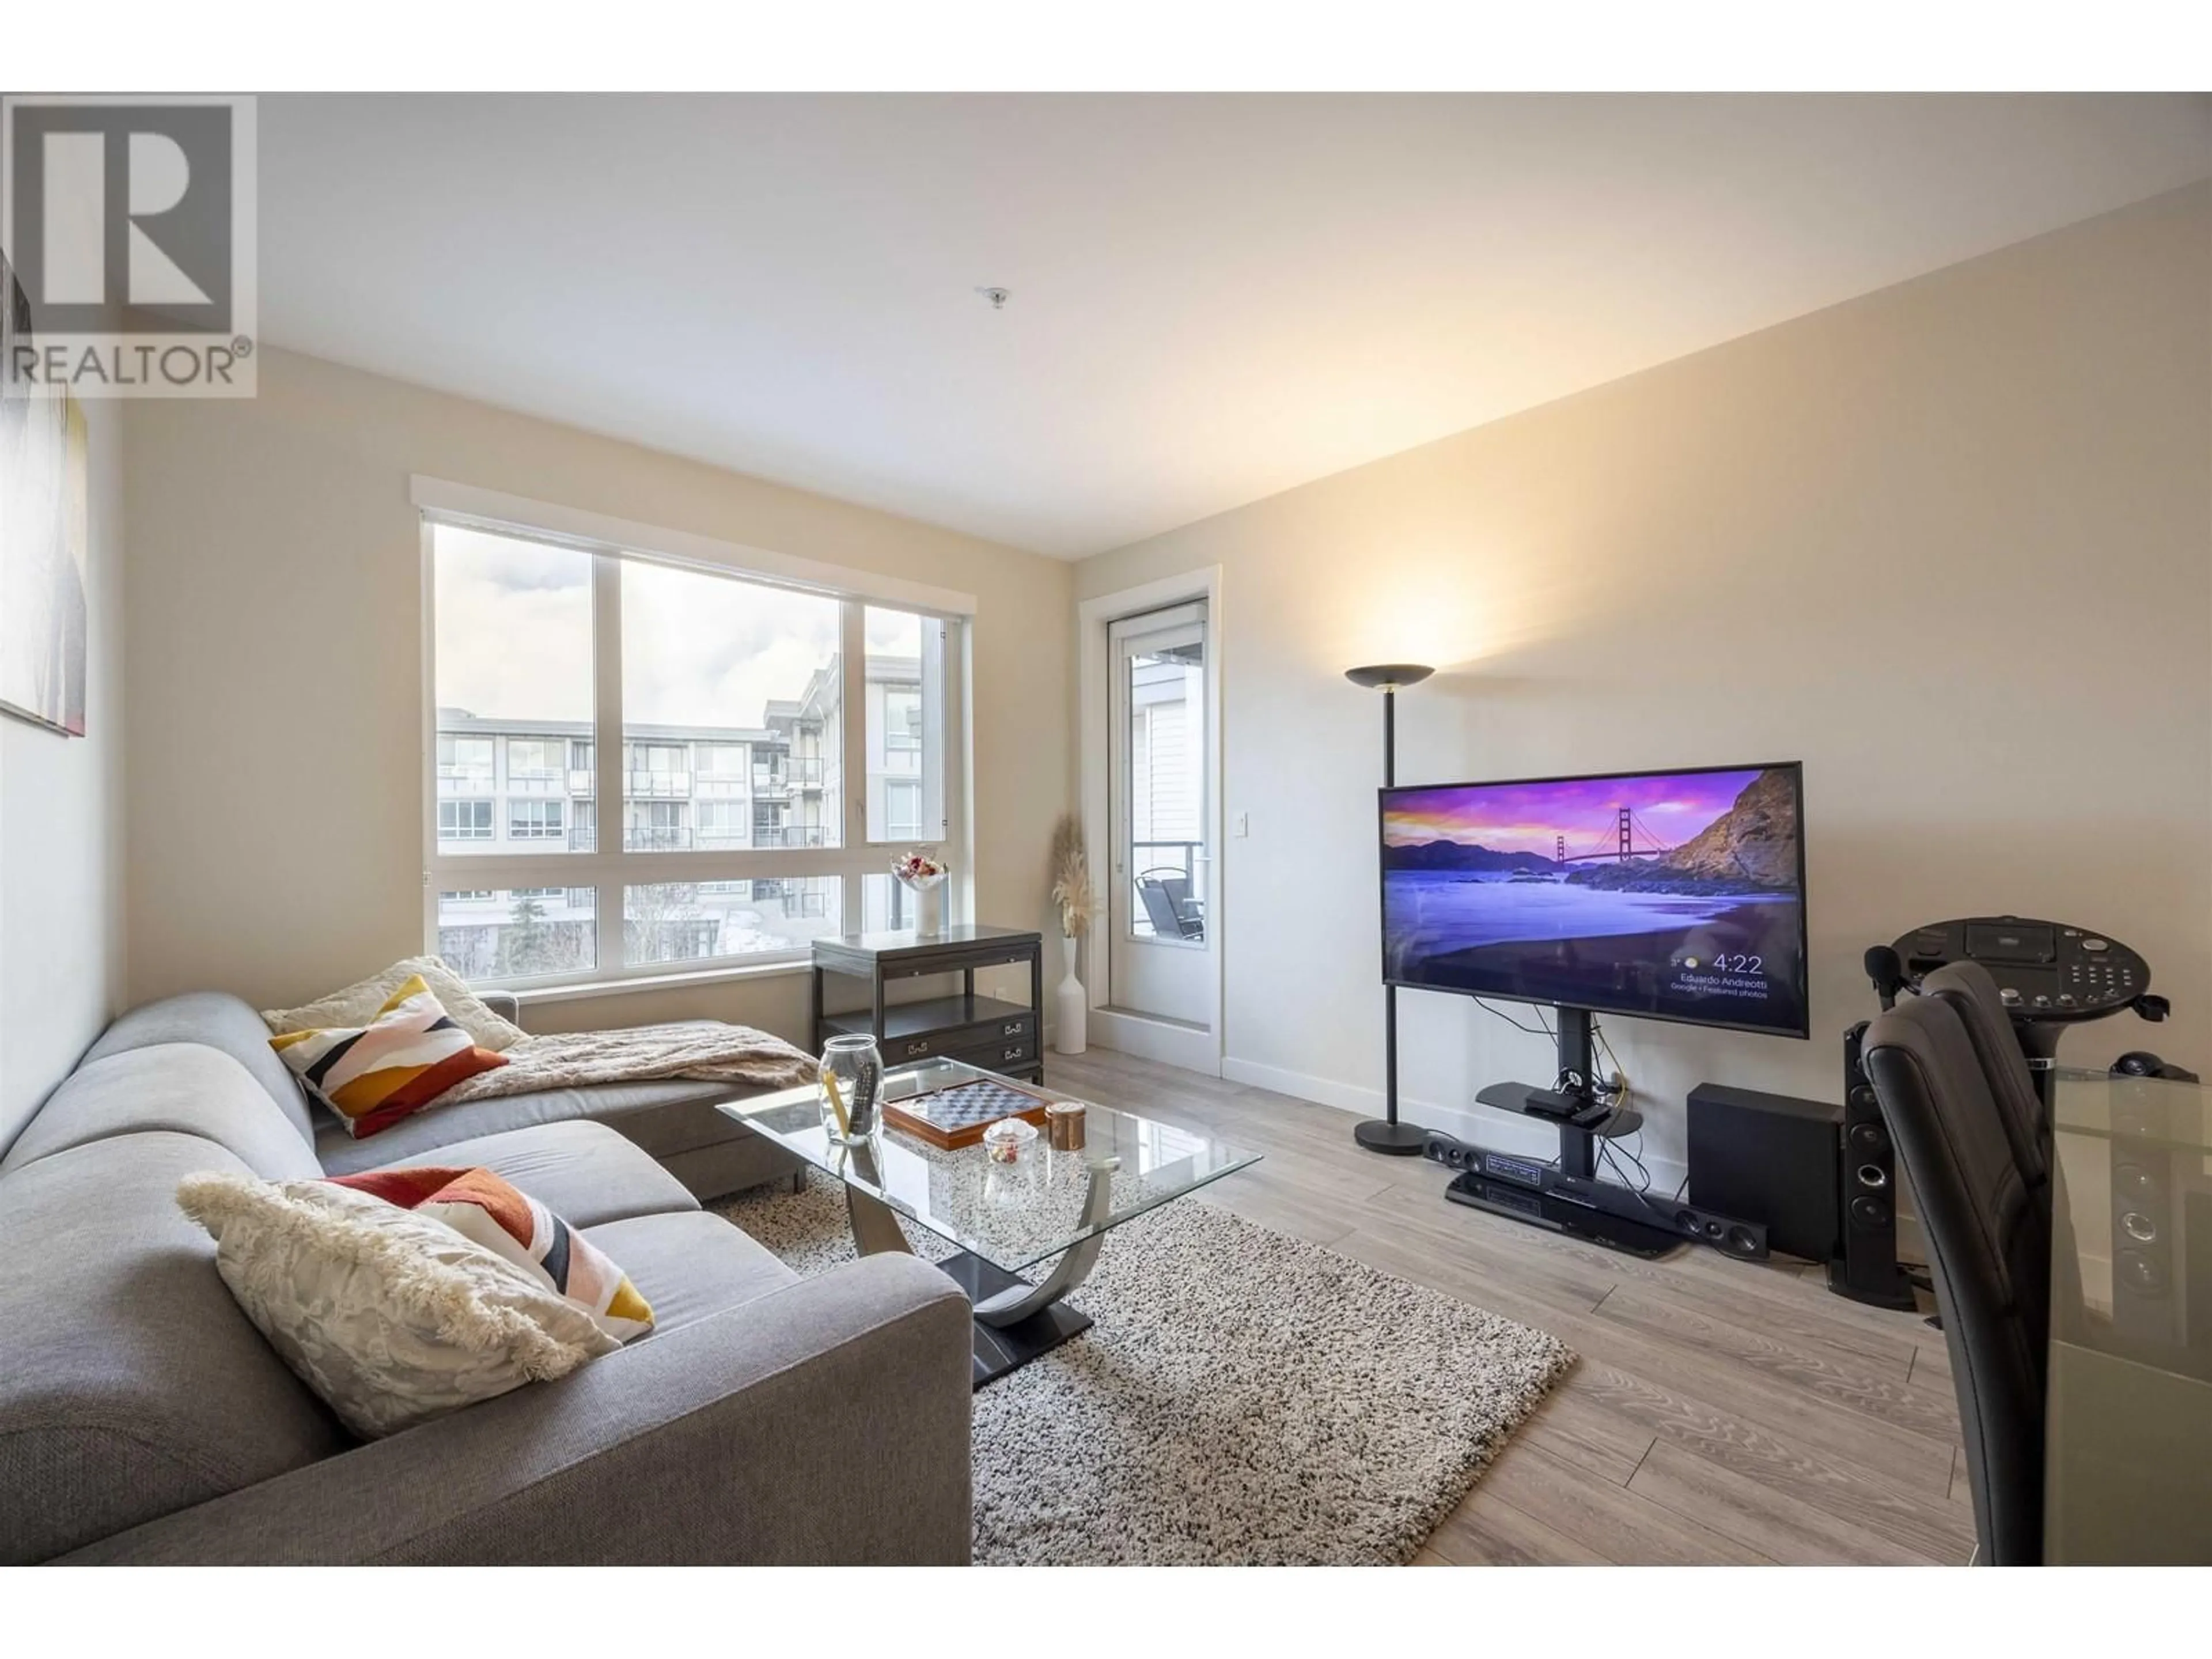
(691, 872)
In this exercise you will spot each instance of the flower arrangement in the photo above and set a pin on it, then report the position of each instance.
(918, 871)
(1071, 877)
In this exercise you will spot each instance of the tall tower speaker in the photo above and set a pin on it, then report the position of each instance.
(1864, 1267)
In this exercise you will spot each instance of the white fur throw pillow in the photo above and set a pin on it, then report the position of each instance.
(357, 1005)
(393, 1318)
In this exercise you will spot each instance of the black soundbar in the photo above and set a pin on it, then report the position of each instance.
(1489, 1170)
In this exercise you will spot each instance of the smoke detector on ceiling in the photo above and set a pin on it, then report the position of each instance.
(996, 296)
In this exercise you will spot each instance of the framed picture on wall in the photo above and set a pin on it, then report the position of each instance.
(44, 529)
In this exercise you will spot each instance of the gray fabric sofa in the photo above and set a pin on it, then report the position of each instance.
(143, 1418)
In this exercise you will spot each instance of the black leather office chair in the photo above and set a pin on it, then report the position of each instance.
(1972, 993)
(1989, 1238)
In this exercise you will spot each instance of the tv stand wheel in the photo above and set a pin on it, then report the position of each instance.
(1395, 1139)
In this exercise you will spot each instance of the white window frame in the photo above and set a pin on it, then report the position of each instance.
(608, 868)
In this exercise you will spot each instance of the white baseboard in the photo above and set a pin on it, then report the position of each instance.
(1190, 1046)
(1505, 1131)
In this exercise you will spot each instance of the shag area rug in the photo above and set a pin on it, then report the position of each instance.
(1244, 1397)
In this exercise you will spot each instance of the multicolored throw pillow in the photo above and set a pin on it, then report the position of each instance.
(515, 1227)
(372, 1076)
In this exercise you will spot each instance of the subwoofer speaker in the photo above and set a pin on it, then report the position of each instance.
(1864, 1267)
(1771, 1159)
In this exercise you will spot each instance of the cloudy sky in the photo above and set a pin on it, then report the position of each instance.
(1524, 817)
(514, 636)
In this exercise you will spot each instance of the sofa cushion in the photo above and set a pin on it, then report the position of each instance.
(217, 1020)
(690, 1266)
(178, 1086)
(663, 1118)
(133, 1386)
(584, 1172)
(358, 1004)
(391, 1065)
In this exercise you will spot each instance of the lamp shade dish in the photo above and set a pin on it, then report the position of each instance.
(1388, 675)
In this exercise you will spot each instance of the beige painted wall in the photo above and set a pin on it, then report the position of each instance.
(275, 713)
(1950, 544)
(61, 835)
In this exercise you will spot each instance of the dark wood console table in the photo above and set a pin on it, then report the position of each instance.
(999, 1036)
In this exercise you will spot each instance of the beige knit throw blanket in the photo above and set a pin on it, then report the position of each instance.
(638, 1054)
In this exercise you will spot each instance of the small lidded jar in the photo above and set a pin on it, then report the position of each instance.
(1004, 1141)
(1063, 1126)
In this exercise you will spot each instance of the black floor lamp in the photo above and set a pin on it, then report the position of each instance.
(1385, 1134)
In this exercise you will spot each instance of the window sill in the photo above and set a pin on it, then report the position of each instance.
(614, 988)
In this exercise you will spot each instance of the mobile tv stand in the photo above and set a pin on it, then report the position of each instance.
(1565, 1195)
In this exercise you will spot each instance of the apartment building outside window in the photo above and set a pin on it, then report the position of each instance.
(465, 820)
(754, 813)
(657, 826)
(533, 760)
(535, 820)
(722, 824)
(464, 764)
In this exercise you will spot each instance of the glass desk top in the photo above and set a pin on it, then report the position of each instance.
(1012, 1215)
(2142, 1109)
(2128, 1413)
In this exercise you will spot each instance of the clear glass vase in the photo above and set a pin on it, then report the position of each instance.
(851, 1089)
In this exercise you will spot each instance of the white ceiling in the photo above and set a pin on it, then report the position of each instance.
(1215, 298)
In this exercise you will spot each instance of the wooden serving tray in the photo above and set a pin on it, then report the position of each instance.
(956, 1115)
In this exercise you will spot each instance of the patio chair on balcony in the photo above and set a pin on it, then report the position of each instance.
(1165, 893)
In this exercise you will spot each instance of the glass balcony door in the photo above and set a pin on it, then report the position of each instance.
(1159, 892)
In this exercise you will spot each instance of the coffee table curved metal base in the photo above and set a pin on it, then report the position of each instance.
(1005, 1218)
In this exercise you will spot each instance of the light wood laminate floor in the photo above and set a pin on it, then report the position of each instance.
(1721, 1411)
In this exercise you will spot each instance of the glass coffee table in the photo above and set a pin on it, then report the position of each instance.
(1005, 1218)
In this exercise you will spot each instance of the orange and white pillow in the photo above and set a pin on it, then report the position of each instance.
(374, 1075)
(487, 1210)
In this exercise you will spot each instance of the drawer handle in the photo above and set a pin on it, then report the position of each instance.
(1013, 1028)
(1014, 1053)
(914, 1048)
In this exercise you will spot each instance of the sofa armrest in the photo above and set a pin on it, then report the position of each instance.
(505, 1003)
(824, 1422)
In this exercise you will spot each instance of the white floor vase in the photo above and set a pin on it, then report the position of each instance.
(1072, 1021)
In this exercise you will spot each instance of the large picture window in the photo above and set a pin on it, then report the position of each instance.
(712, 707)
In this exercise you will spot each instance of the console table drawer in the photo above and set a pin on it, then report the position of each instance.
(1013, 1054)
(963, 1041)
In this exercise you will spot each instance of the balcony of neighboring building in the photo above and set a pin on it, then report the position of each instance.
(657, 785)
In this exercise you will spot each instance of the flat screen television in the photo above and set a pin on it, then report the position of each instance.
(1674, 896)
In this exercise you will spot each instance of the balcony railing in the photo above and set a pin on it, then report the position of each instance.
(807, 771)
(464, 781)
(657, 786)
(769, 785)
(637, 840)
(789, 835)
(585, 839)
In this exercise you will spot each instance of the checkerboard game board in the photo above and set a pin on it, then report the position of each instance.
(958, 1115)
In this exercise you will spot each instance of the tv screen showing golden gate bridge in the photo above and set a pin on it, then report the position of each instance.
(1673, 894)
